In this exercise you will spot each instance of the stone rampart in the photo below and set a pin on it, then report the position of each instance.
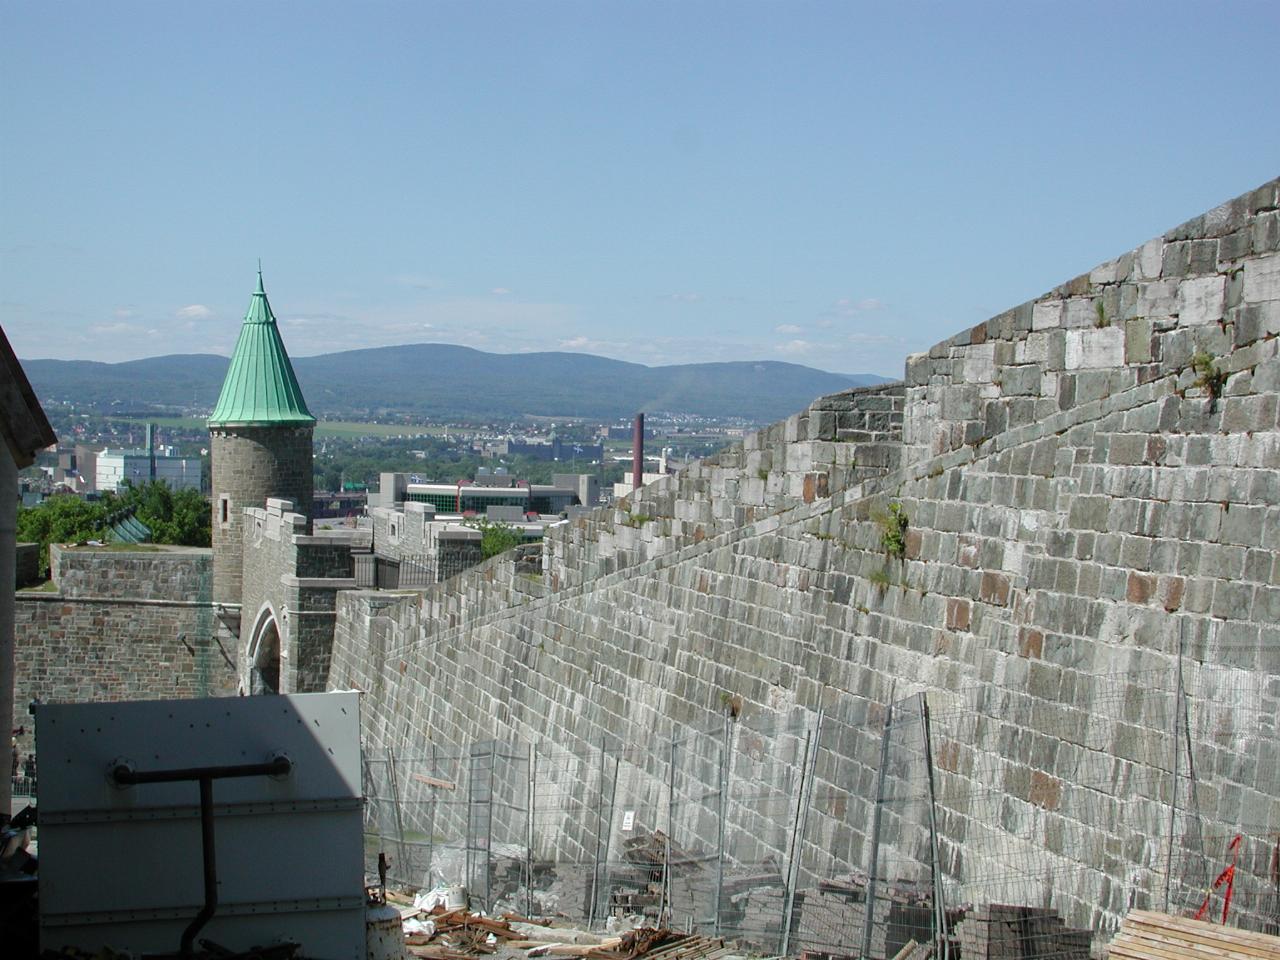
(291, 579)
(124, 625)
(141, 573)
(1091, 487)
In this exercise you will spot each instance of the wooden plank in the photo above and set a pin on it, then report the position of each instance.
(1158, 936)
(434, 781)
(1157, 950)
(1212, 939)
(1235, 934)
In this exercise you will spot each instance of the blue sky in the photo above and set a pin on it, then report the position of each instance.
(834, 184)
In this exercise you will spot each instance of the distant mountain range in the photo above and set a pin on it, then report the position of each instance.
(441, 382)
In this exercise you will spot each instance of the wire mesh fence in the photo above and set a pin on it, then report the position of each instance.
(975, 823)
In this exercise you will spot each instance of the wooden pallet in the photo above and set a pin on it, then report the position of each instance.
(1146, 935)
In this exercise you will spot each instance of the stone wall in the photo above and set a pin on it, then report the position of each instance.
(143, 573)
(1091, 483)
(290, 582)
(124, 625)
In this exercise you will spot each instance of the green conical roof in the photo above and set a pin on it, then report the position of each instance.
(260, 389)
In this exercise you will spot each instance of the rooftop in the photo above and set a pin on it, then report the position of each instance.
(260, 388)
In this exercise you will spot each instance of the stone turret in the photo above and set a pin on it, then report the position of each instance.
(260, 438)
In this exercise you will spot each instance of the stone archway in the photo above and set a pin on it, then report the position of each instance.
(264, 654)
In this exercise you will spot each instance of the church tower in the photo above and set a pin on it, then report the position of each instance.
(260, 440)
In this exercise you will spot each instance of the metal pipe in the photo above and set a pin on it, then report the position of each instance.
(125, 775)
(637, 453)
(210, 870)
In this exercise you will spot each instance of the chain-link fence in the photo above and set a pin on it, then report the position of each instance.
(974, 823)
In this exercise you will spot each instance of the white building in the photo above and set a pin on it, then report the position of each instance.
(115, 467)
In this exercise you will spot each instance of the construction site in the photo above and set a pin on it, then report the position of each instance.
(979, 665)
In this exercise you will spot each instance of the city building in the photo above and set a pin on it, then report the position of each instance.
(114, 468)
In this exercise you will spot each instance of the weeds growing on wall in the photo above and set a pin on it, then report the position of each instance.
(893, 530)
(1210, 378)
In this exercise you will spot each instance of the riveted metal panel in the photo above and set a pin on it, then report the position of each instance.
(121, 866)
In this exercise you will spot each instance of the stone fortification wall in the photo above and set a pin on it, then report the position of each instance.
(1091, 483)
(291, 579)
(123, 625)
(143, 573)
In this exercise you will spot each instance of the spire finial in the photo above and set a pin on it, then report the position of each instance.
(261, 289)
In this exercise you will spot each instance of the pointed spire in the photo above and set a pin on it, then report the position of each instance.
(260, 388)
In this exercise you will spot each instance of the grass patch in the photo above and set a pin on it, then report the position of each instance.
(47, 587)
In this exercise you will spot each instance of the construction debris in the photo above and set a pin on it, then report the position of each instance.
(1146, 935)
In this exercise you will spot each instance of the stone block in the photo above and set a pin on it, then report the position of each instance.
(1046, 314)
(1148, 259)
(1159, 298)
(1266, 233)
(1094, 348)
(1079, 312)
(1262, 279)
(1201, 300)
(1137, 341)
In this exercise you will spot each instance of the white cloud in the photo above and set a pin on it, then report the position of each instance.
(787, 328)
(195, 311)
(849, 307)
(683, 297)
(123, 313)
(500, 291)
(575, 343)
(114, 329)
(794, 347)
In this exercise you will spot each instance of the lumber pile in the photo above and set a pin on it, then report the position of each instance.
(1147, 935)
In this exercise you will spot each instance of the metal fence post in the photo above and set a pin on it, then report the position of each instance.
(939, 904)
(666, 912)
(431, 822)
(395, 805)
(1177, 747)
(804, 798)
(595, 866)
(874, 865)
(726, 771)
(532, 770)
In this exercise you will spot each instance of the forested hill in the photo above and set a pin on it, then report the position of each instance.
(442, 381)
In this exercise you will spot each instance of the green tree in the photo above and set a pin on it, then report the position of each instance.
(495, 536)
(179, 517)
(60, 519)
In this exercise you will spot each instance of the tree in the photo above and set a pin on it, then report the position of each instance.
(495, 536)
(180, 517)
(60, 519)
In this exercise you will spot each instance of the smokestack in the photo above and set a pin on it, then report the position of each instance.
(637, 452)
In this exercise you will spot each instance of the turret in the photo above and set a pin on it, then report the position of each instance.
(260, 439)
